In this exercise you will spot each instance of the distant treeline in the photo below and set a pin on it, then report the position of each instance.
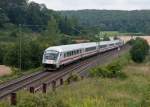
(33, 16)
(113, 20)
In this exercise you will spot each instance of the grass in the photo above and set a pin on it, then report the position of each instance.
(133, 91)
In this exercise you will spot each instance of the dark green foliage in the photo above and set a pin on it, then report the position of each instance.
(65, 40)
(36, 52)
(37, 15)
(31, 55)
(34, 16)
(113, 20)
(1, 53)
(15, 10)
(139, 50)
(130, 42)
(69, 26)
(3, 18)
(114, 68)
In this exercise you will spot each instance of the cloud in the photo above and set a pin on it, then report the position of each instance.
(96, 4)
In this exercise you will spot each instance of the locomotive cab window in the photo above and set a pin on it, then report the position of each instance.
(51, 55)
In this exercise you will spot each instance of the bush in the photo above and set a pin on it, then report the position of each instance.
(114, 68)
(109, 71)
(139, 50)
(131, 42)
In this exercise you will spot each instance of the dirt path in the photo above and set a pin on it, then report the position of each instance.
(4, 70)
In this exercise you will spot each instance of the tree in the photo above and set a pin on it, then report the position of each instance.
(31, 55)
(113, 20)
(52, 32)
(139, 50)
(69, 26)
(37, 15)
(36, 52)
(1, 54)
(52, 28)
(3, 18)
(15, 10)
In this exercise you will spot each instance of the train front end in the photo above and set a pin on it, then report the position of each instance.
(50, 60)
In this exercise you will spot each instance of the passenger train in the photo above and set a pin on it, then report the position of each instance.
(57, 56)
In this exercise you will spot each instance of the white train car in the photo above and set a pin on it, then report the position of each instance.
(56, 56)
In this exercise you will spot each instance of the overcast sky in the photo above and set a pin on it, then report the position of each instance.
(96, 4)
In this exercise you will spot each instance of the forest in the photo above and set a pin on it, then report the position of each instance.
(137, 21)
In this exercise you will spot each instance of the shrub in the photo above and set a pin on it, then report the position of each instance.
(114, 68)
(109, 71)
(139, 50)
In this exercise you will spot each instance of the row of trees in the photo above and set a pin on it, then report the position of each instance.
(15, 12)
(32, 49)
(31, 55)
(113, 20)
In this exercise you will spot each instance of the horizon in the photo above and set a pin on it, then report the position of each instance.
(105, 10)
(124, 5)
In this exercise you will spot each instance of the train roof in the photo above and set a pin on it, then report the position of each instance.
(70, 47)
(63, 48)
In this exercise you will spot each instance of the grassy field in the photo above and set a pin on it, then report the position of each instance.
(132, 91)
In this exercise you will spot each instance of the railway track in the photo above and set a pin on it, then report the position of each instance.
(37, 79)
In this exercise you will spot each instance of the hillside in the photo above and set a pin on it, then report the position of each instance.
(113, 20)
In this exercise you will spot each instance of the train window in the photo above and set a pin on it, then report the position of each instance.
(102, 46)
(68, 54)
(72, 52)
(111, 44)
(75, 52)
(65, 55)
(90, 49)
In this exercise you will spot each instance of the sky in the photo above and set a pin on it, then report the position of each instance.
(95, 4)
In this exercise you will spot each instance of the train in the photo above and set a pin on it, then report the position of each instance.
(57, 56)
